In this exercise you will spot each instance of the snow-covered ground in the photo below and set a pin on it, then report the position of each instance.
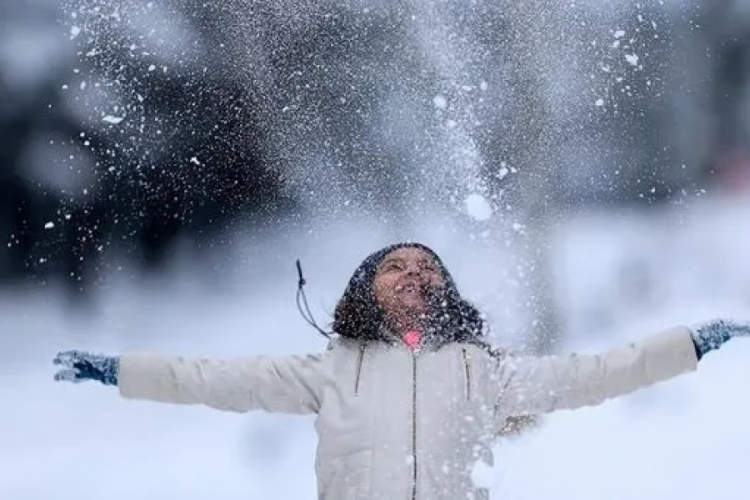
(685, 439)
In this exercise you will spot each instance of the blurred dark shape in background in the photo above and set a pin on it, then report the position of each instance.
(75, 186)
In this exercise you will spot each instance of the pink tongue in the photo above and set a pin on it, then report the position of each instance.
(412, 339)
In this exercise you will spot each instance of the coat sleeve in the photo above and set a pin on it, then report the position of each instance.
(529, 385)
(279, 385)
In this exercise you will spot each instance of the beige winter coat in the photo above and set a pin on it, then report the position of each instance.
(395, 425)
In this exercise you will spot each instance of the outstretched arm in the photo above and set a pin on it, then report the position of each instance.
(550, 383)
(275, 384)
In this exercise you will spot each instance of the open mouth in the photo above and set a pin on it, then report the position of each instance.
(410, 289)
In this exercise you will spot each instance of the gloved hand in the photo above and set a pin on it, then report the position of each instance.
(711, 335)
(79, 366)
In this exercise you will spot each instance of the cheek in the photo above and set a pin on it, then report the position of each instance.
(383, 289)
(380, 292)
(437, 281)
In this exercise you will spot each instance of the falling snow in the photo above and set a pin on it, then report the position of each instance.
(114, 120)
(440, 102)
(478, 207)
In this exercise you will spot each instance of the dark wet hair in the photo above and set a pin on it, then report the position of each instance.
(452, 318)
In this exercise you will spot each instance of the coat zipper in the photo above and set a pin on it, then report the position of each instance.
(360, 360)
(467, 371)
(414, 426)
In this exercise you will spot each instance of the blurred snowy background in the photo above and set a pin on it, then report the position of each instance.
(583, 167)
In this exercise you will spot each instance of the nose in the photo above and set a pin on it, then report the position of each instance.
(413, 269)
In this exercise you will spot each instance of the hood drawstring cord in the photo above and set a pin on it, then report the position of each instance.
(302, 305)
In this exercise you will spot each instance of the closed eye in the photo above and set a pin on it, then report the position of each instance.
(393, 265)
(429, 266)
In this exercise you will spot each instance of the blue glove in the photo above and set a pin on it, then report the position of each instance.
(711, 335)
(79, 366)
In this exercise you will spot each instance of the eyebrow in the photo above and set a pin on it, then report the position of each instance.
(426, 260)
(391, 259)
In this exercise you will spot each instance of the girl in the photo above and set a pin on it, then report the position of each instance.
(409, 395)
